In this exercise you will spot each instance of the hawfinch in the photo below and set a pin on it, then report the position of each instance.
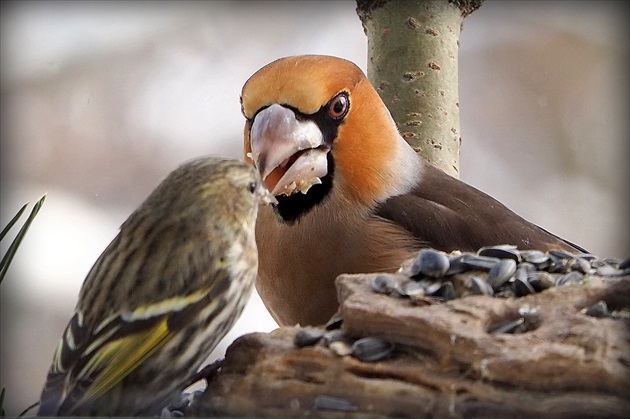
(353, 196)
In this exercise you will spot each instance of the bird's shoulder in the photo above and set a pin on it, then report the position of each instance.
(446, 213)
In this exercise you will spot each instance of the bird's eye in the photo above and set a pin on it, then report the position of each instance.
(252, 186)
(338, 106)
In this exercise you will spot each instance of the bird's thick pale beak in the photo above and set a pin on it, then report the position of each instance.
(290, 154)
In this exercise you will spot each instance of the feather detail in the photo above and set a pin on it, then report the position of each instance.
(119, 344)
(447, 214)
(128, 353)
(164, 306)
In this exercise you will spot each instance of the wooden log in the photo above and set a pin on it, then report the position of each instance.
(447, 362)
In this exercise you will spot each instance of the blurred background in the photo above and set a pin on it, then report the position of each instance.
(100, 100)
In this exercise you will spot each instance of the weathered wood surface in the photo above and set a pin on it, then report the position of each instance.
(446, 363)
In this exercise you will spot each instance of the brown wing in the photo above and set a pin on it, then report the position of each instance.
(447, 214)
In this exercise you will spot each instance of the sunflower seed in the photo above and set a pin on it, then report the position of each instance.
(522, 272)
(507, 326)
(559, 265)
(432, 288)
(307, 336)
(430, 263)
(613, 261)
(607, 270)
(522, 288)
(501, 272)
(599, 309)
(456, 264)
(383, 284)
(586, 256)
(371, 349)
(446, 291)
(540, 281)
(534, 256)
(334, 336)
(598, 263)
(181, 403)
(571, 278)
(335, 322)
(580, 265)
(479, 286)
(483, 263)
(527, 266)
(413, 289)
(502, 251)
(559, 253)
(529, 319)
(624, 264)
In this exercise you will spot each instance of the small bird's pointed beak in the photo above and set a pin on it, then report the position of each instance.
(265, 197)
(290, 154)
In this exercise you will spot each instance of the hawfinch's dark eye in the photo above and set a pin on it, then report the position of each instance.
(338, 106)
(252, 186)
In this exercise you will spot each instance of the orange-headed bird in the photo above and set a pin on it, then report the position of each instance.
(352, 195)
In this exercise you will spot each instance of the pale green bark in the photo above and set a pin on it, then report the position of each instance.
(412, 62)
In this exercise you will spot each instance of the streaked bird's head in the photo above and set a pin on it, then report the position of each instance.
(209, 187)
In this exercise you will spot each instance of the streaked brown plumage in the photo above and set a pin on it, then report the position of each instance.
(363, 200)
(161, 295)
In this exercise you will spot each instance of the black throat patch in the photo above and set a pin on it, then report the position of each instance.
(291, 208)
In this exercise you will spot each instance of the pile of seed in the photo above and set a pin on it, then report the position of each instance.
(500, 271)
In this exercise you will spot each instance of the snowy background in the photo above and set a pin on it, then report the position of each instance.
(101, 100)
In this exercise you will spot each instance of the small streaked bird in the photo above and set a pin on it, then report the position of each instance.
(162, 294)
(353, 196)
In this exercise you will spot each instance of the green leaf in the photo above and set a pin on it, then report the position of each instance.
(13, 221)
(6, 260)
(4, 390)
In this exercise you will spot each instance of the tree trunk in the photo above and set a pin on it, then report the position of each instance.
(413, 48)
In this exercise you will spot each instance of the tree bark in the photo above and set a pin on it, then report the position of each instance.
(412, 62)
